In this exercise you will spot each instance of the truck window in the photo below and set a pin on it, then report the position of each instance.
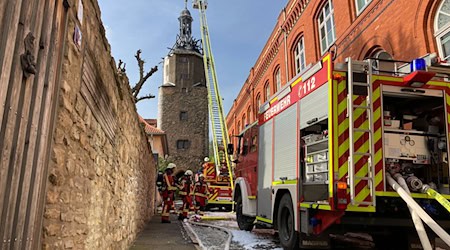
(245, 147)
(254, 144)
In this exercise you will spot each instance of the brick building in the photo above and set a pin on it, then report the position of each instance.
(183, 100)
(306, 29)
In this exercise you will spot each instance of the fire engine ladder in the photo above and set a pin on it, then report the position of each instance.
(219, 128)
(358, 77)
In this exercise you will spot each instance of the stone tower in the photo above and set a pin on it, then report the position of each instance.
(183, 100)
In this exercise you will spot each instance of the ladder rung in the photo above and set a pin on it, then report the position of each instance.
(362, 84)
(363, 154)
(368, 203)
(361, 107)
(364, 178)
(361, 130)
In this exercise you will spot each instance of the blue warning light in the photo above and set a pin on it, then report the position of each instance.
(418, 64)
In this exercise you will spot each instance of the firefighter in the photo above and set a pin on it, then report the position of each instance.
(168, 191)
(201, 192)
(186, 191)
(205, 165)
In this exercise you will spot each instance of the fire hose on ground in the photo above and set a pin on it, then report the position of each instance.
(420, 212)
(437, 196)
(415, 217)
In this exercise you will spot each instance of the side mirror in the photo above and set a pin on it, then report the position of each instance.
(230, 148)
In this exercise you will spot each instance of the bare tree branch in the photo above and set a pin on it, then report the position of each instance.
(143, 77)
(149, 96)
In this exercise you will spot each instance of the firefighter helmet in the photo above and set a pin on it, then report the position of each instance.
(188, 172)
(171, 166)
(207, 159)
(201, 176)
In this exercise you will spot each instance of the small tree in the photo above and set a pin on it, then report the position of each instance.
(143, 77)
(162, 164)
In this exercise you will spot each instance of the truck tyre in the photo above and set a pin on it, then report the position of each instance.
(244, 222)
(286, 223)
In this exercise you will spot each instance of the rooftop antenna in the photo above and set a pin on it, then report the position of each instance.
(185, 4)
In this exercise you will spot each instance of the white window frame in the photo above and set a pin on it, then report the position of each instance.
(439, 33)
(360, 9)
(323, 25)
(299, 56)
(277, 79)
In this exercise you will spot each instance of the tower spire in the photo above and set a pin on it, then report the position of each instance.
(184, 38)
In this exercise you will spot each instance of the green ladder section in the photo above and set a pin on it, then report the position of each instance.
(215, 107)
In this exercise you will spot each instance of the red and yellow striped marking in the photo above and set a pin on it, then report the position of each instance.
(361, 142)
(220, 194)
(210, 172)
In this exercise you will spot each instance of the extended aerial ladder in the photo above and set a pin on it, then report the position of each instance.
(219, 129)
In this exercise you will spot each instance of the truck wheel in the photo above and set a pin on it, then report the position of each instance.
(286, 224)
(244, 222)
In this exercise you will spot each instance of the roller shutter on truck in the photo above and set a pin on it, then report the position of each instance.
(285, 145)
(265, 170)
(314, 106)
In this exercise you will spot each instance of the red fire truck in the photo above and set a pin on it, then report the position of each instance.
(333, 153)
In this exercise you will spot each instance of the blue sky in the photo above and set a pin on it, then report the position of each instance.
(238, 29)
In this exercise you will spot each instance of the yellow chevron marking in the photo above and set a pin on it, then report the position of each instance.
(352, 208)
(376, 94)
(378, 178)
(378, 156)
(447, 97)
(213, 196)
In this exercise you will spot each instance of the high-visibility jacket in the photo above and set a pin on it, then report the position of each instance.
(201, 189)
(169, 183)
(186, 186)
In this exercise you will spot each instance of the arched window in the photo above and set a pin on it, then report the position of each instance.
(361, 5)
(442, 29)
(258, 102)
(277, 79)
(239, 126)
(382, 66)
(249, 115)
(243, 122)
(299, 55)
(266, 91)
(327, 32)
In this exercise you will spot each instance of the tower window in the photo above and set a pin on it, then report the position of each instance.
(183, 115)
(184, 90)
(183, 144)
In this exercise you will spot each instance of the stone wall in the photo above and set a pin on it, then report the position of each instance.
(100, 189)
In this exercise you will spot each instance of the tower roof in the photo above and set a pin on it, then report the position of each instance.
(185, 41)
(185, 12)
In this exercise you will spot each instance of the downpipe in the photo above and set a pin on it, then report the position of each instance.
(422, 214)
(437, 196)
(415, 217)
